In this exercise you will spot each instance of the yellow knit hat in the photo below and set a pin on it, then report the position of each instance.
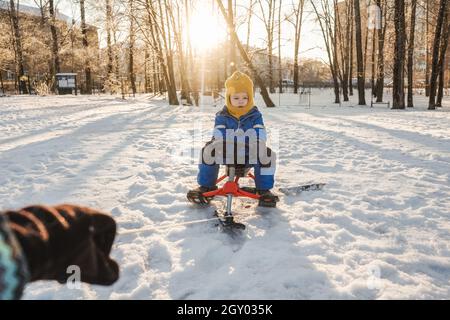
(239, 82)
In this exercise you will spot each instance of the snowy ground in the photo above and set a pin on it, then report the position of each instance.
(380, 229)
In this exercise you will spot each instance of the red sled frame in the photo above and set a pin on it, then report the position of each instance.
(231, 187)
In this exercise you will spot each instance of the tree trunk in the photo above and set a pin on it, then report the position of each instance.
(398, 90)
(280, 76)
(329, 36)
(232, 45)
(132, 36)
(56, 67)
(366, 44)
(42, 12)
(427, 54)
(172, 86)
(411, 44)
(352, 42)
(442, 59)
(359, 56)
(155, 84)
(381, 43)
(20, 70)
(115, 56)
(344, 85)
(42, 24)
(156, 44)
(373, 62)
(337, 69)
(146, 78)
(87, 69)
(162, 79)
(250, 13)
(109, 67)
(296, 70)
(269, 26)
(436, 51)
(72, 46)
(157, 30)
(1, 82)
(342, 33)
(185, 87)
(190, 58)
(337, 98)
(172, 89)
(270, 44)
(269, 103)
(440, 94)
(298, 30)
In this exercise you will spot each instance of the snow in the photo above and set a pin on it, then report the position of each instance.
(378, 230)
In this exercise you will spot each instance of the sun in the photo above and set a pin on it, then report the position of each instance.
(206, 29)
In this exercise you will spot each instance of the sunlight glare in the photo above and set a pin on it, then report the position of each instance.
(206, 28)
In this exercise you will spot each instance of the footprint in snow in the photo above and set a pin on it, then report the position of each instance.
(159, 258)
(136, 189)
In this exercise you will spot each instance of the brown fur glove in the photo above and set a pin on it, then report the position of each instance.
(54, 238)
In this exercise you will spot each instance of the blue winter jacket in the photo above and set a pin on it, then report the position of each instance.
(264, 177)
(252, 120)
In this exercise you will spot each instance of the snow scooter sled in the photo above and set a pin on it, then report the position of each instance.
(230, 190)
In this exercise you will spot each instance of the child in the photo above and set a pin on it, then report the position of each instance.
(239, 113)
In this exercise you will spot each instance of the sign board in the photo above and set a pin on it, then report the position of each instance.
(66, 82)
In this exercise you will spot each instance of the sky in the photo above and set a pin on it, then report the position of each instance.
(312, 45)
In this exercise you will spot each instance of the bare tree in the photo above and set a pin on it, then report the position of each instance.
(359, 55)
(193, 71)
(156, 37)
(382, 5)
(352, 43)
(231, 43)
(411, 44)
(343, 46)
(296, 20)
(167, 40)
(373, 61)
(41, 5)
(87, 69)
(269, 23)
(269, 103)
(376, 19)
(250, 14)
(280, 71)
(442, 62)
(131, 42)
(116, 48)
(398, 89)
(328, 28)
(146, 70)
(427, 56)
(20, 70)
(109, 17)
(436, 53)
(2, 87)
(177, 30)
(56, 65)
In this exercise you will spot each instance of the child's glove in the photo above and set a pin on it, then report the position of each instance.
(54, 238)
(232, 152)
